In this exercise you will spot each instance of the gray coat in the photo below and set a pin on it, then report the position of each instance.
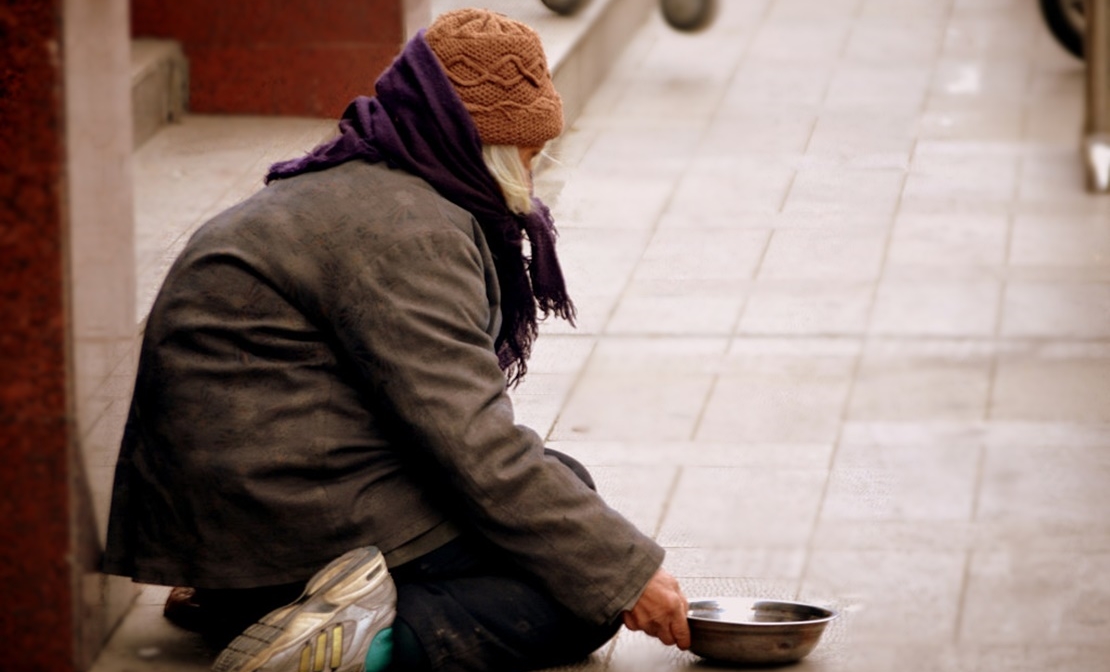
(318, 373)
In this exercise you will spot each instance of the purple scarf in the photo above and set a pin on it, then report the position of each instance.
(418, 124)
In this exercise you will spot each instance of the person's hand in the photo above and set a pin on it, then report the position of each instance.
(661, 611)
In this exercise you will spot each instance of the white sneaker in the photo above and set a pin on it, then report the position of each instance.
(329, 628)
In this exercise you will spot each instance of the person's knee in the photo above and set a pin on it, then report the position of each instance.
(574, 465)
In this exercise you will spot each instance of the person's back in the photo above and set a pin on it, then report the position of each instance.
(245, 389)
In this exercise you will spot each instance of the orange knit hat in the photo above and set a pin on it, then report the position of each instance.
(498, 68)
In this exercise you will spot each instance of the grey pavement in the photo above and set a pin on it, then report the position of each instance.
(844, 327)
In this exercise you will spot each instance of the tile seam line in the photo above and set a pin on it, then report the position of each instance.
(713, 118)
(867, 335)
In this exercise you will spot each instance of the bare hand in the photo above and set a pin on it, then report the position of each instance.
(661, 611)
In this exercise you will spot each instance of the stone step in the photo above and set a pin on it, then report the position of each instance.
(159, 86)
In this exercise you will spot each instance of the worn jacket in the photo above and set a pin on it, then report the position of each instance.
(318, 373)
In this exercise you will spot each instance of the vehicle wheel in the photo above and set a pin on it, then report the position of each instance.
(1067, 23)
(689, 15)
(564, 7)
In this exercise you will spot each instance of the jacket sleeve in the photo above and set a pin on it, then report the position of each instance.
(414, 319)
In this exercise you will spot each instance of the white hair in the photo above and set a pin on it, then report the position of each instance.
(514, 178)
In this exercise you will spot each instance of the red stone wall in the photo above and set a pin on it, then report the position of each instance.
(37, 616)
(277, 57)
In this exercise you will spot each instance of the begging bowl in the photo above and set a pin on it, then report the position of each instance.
(755, 631)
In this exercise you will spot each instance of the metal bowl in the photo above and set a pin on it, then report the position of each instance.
(754, 631)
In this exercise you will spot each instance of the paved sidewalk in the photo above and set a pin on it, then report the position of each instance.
(844, 333)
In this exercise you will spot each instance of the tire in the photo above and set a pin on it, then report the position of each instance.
(1066, 23)
(689, 16)
(563, 7)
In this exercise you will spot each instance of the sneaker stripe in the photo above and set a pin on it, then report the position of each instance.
(306, 658)
(336, 646)
(321, 652)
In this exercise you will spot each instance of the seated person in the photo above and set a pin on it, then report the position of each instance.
(320, 443)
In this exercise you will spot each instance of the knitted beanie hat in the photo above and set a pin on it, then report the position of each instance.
(499, 70)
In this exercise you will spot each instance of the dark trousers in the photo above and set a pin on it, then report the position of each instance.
(462, 607)
(469, 609)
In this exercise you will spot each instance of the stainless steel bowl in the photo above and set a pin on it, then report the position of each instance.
(754, 631)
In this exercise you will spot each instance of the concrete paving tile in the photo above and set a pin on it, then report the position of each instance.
(901, 483)
(742, 130)
(1021, 597)
(1061, 79)
(805, 219)
(976, 81)
(1028, 432)
(1052, 482)
(906, 382)
(146, 641)
(639, 493)
(719, 185)
(100, 445)
(816, 254)
(944, 120)
(702, 254)
(628, 407)
(942, 240)
(1076, 242)
(1053, 390)
(631, 152)
(786, 11)
(773, 83)
(855, 84)
(741, 508)
(716, 51)
(554, 353)
(1043, 536)
(896, 536)
(636, 652)
(539, 398)
(1032, 656)
(748, 409)
(959, 308)
(698, 454)
(1056, 310)
(611, 201)
(739, 586)
(807, 308)
(962, 657)
(658, 355)
(896, 37)
(984, 36)
(599, 260)
(800, 40)
(593, 310)
(674, 315)
(1056, 179)
(835, 190)
(781, 564)
(924, 11)
(924, 433)
(794, 356)
(847, 131)
(960, 176)
(1054, 123)
(677, 99)
(890, 596)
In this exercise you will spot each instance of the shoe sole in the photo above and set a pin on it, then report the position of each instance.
(343, 582)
